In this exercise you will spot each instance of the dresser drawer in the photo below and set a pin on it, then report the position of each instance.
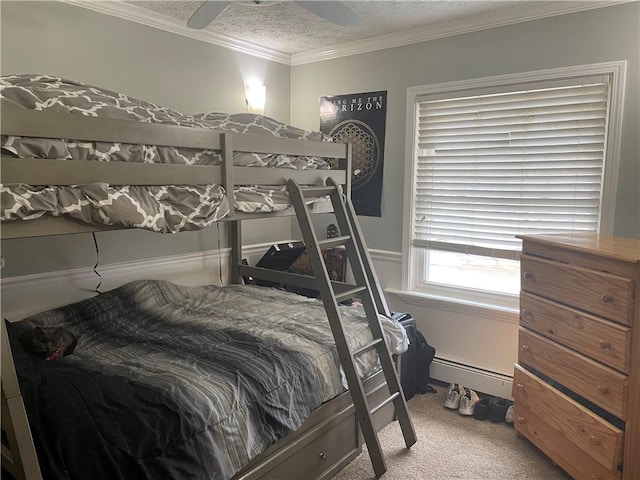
(604, 294)
(577, 439)
(600, 339)
(597, 383)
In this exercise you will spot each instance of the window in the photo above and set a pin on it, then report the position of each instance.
(498, 157)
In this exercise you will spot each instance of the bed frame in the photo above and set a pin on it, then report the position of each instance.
(330, 438)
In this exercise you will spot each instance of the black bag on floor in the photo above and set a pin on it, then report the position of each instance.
(408, 361)
(425, 356)
(416, 361)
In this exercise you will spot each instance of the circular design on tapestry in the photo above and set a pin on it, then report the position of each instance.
(365, 150)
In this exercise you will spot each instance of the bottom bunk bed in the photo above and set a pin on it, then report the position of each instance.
(167, 381)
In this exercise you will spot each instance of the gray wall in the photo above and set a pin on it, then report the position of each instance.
(170, 70)
(191, 76)
(594, 36)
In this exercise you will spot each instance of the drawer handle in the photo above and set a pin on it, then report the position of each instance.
(520, 387)
(522, 420)
(595, 440)
(527, 275)
(606, 297)
(528, 314)
(323, 455)
(605, 344)
(602, 389)
(526, 348)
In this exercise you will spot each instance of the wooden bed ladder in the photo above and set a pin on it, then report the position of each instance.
(368, 290)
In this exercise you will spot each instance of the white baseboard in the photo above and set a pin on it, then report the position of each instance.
(470, 377)
(29, 294)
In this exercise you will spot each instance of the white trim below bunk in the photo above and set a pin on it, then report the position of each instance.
(29, 294)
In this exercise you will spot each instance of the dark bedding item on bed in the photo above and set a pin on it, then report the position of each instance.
(91, 425)
(49, 343)
(178, 382)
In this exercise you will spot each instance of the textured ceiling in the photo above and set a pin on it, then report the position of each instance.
(286, 27)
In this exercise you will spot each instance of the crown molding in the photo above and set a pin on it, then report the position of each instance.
(423, 34)
(162, 22)
(448, 29)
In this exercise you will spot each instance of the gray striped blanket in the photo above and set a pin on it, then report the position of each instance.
(180, 382)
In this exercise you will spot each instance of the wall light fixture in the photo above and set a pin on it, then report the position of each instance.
(255, 95)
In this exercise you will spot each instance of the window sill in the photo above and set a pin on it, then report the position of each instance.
(484, 308)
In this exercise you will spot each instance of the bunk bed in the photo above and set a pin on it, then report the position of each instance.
(325, 439)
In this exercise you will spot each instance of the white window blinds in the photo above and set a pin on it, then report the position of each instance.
(490, 166)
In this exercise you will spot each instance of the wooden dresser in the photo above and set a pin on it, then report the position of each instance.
(576, 385)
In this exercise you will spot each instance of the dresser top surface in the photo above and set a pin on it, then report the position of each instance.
(627, 249)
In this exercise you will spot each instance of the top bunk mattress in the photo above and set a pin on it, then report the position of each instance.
(44, 92)
(164, 208)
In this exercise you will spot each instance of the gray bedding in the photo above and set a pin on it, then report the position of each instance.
(181, 382)
(166, 209)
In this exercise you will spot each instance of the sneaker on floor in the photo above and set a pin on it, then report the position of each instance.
(498, 410)
(508, 417)
(482, 408)
(468, 402)
(455, 393)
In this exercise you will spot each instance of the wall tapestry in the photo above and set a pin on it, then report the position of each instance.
(360, 119)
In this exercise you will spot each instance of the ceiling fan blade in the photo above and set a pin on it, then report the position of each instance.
(206, 13)
(335, 12)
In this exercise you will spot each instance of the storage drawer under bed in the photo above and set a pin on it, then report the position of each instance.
(581, 442)
(331, 447)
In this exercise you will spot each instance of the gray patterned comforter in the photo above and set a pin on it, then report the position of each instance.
(181, 382)
(166, 209)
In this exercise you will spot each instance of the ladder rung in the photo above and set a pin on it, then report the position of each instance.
(317, 191)
(385, 402)
(334, 242)
(366, 347)
(6, 453)
(349, 293)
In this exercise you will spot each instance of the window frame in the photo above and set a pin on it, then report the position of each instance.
(411, 254)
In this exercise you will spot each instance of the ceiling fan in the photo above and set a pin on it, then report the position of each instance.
(335, 12)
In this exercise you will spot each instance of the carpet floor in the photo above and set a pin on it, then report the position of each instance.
(452, 446)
